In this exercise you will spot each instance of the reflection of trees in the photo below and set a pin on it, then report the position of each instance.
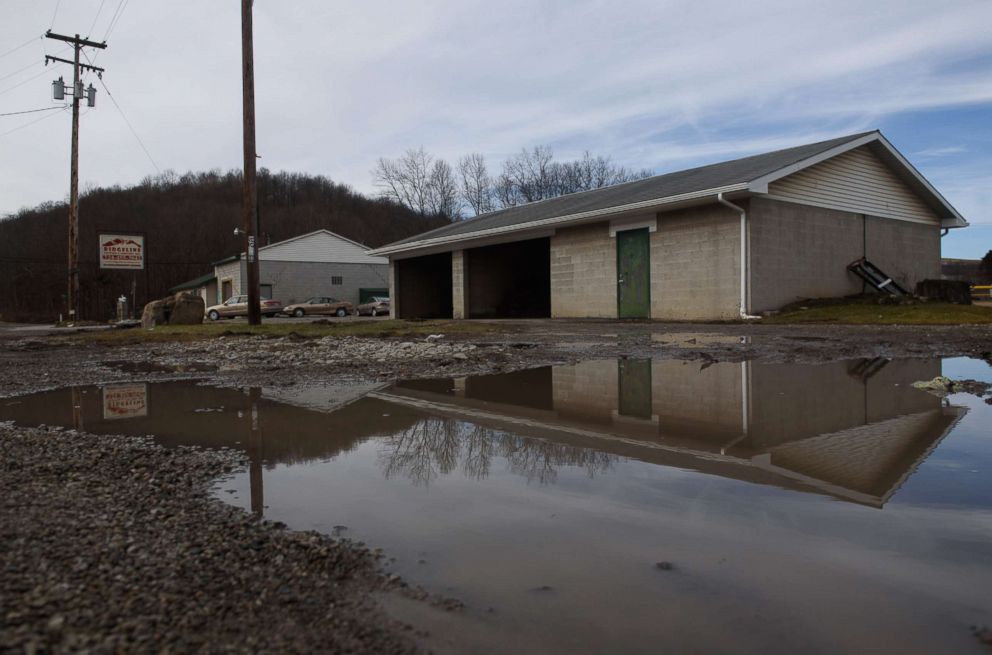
(422, 452)
(435, 446)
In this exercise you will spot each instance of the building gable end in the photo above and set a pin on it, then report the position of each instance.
(856, 181)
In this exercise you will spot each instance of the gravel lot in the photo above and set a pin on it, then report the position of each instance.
(112, 544)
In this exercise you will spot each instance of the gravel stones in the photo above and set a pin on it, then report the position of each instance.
(113, 544)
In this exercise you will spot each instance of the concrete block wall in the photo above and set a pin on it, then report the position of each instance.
(790, 402)
(909, 252)
(296, 281)
(708, 403)
(233, 271)
(799, 251)
(695, 264)
(587, 390)
(584, 272)
(459, 289)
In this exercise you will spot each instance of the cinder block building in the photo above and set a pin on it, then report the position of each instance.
(319, 263)
(717, 242)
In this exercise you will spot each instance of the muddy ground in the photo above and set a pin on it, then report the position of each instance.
(103, 546)
(32, 363)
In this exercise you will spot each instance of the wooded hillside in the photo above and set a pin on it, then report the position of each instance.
(188, 222)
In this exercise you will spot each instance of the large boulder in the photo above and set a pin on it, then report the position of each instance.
(184, 308)
(187, 309)
(154, 314)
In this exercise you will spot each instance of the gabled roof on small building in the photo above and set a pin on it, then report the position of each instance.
(746, 175)
(195, 283)
(321, 246)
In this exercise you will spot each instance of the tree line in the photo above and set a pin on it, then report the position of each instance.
(188, 222)
(431, 186)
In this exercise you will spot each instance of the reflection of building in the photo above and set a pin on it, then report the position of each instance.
(185, 413)
(854, 430)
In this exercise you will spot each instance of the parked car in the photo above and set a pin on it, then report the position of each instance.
(376, 306)
(319, 305)
(238, 306)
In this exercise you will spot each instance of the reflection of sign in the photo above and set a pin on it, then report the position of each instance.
(122, 251)
(125, 401)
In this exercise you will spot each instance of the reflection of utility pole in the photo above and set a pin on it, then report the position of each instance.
(77, 409)
(250, 184)
(58, 93)
(255, 454)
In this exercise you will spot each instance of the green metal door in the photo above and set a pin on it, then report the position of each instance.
(635, 388)
(633, 274)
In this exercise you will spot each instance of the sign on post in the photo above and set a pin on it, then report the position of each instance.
(126, 251)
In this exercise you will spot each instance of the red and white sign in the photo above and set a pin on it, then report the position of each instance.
(122, 251)
(125, 401)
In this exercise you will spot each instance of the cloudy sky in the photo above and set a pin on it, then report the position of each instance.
(657, 84)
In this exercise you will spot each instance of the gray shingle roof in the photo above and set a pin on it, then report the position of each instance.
(660, 186)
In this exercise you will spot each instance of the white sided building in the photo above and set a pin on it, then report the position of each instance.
(319, 263)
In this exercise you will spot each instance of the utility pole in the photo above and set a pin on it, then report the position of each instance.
(250, 184)
(58, 93)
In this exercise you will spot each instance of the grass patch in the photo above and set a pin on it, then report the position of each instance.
(871, 313)
(369, 328)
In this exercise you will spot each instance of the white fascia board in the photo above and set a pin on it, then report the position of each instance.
(475, 243)
(760, 185)
(558, 220)
(622, 224)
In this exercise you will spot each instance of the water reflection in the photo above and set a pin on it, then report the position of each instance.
(433, 447)
(854, 430)
(436, 472)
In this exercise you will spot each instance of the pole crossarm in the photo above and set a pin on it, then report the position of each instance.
(75, 40)
(95, 69)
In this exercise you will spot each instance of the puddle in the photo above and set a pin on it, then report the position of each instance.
(152, 367)
(625, 506)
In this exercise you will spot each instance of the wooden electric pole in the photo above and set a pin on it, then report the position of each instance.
(250, 184)
(72, 300)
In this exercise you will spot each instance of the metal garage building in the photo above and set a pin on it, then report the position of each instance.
(716, 242)
(319, 263)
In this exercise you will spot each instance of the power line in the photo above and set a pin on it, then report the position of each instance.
(19, 70)
(23, 45)
(24, 69)
(115, 18)
(95, 18)
(19, 84)
(37, 120)
(31, 111)
(55, 13)
(124, 116)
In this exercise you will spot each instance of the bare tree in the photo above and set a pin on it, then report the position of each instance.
(477, 187)
(534, 175)
(420, 182)
(442, 191)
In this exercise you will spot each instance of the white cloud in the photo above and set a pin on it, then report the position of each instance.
(654, 84)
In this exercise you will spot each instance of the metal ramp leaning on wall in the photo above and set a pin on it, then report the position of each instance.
(876, 277)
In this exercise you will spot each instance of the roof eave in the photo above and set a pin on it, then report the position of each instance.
(558, 221)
